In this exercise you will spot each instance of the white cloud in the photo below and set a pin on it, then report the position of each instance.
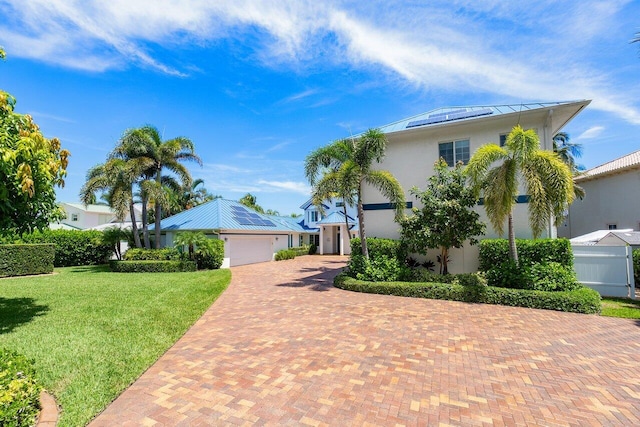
(291, 186)
(40, 115)
(592, 132)
(528, 51)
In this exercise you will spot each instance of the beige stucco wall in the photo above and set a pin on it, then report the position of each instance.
(410, 157)
(613, 199)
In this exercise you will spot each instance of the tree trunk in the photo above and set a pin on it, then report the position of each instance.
(346, 222)
(444, 260)
(134, 226)
(513, 251)
(363, 237)
(158, 210)
(145, 221)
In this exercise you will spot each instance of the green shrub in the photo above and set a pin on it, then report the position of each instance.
(636, 266)
(383, 263)
(377, 247)
(301, 250)
(152, 266)
(141, 254)
(553, 277)
(313, 249)
(74, 247)
(509, 275)
(19, 390)
(210, 254)
(285, 254)
(580, 300)
(21, 260)
(541, 251)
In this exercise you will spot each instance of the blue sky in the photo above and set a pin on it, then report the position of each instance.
(258, 85)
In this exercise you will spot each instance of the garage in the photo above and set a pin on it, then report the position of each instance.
(249, 249)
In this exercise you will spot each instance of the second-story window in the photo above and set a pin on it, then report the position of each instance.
(455, 151)
(339, 204)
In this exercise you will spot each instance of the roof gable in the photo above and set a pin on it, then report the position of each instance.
(624, 163)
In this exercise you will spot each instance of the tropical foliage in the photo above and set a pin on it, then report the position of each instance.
(446, 219)
(251, 201)
(344, 167)
(497, 172)
(31, 166)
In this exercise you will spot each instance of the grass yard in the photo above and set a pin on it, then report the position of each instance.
(93, 332)
(621, 307)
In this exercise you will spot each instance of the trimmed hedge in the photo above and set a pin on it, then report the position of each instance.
(22, 260)
(379, 247)
(541, 251)
(636, 266)
(141, 254)
(285, 254)
(582, 300)
(152, 266)
(19, 390)
(74, 247)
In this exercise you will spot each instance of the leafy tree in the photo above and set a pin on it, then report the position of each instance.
(548, 182)
(272, 212)
(145, 148)
(343, 167)
(250, 201)
(295, 215)
(446, 219)
(31, 166)
(113, 236)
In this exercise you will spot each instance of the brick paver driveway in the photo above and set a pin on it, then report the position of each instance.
(283, 347)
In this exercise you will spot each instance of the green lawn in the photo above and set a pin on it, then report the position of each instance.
(621, 307)
(93, 332)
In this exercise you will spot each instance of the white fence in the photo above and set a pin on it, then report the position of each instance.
(607, 269)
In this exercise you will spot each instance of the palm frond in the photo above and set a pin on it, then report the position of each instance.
(390, 188)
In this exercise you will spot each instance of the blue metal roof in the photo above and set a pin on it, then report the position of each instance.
(447, 115)
(337, 218)
(222, 214)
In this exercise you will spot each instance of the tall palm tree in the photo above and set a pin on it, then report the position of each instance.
(145, 147)
(568, 152)
(345, 166)
(195, 195)
(116, 179)
(251, 201)
(548, 182)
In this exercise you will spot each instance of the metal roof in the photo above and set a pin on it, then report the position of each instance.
(630, 161)
(447, 115)
(221, 214)
(337, 218)
(104, 209)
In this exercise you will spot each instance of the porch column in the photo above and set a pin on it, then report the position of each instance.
(341, 239)
(321, 241)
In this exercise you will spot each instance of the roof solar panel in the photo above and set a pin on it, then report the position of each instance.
(450, 116)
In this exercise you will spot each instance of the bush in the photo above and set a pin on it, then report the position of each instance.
(551, 277)
(210, 254)
(377, 247)
(541, 251)
(285, 254)
(141, 254)
(580, 300)
(383, 263)
(74, 247)
(21, 260)
(152, 266)
(301, 250)
(509, 275)
(19, 390)
(313, 249)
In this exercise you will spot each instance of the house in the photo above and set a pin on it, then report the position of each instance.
(82, 217)
(626, 237)
(330, 228)
(250, 237)
(612, 198)
(454, 133)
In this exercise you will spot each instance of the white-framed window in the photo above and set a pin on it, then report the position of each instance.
(339, 204)
(455, 151)
(612, 226)
(314, 216)
(74, 217)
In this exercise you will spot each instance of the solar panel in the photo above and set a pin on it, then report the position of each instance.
(450, 116)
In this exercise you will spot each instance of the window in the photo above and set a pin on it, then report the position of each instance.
(314, 216)
(74, 217)
(455, 151)
(339, 204)
(503, 139)
(612, 226)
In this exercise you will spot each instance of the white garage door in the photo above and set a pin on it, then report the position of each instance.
(249, 250)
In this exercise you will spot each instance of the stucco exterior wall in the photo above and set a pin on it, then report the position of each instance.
(612, 199)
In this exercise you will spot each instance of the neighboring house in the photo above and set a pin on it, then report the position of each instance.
(612, 198)
(416, 143)
(82, 217)
(330, 228)
(250, 237)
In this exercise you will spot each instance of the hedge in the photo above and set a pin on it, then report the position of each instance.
(582, 300)
(74, 247)
(19, 390)
(22, 260)
(379, 247)
(540, 251)
(173, 266)
(636, 266)
(141, 254)
(285, 254)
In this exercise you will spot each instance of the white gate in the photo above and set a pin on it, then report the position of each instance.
(607, 269)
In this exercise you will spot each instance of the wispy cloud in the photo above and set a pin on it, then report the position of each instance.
(530, 51)
(40, 115)
(296, 187)
(592, 132)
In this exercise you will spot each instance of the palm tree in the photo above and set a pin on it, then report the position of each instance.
(548, 182)
(115, 178)
(251, 201)
(195, 195)
(145, 147)
(343, 167)
(568, 152)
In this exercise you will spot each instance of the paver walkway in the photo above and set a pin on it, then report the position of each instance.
(283, 347)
